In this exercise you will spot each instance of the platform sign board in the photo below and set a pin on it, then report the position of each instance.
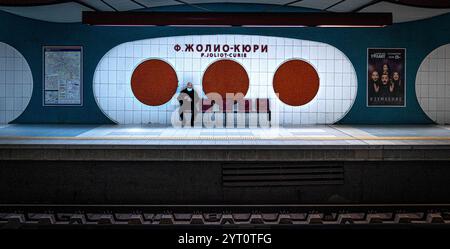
(63, 76)
(386, 77)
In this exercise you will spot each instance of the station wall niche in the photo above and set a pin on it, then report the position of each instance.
(16, 83)
(433, 85)
(259, 56)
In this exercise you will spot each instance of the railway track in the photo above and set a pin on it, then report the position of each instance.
(23, 216)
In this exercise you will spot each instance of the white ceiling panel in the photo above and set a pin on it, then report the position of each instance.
(158, 3)
(123, 5)
(402, 13)
(279, 2)
(349, 5)
(315, 4)
(201, 1)
(97, 4)
(63, 12)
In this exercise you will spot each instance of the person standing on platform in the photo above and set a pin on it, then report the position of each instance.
(188, 100)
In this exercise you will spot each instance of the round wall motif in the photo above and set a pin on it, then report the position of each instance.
(225, 76)
(154, 82)
(296, 82)
(433, 85)
(16, 83)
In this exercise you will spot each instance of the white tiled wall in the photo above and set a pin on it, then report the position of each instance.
(16, 83)
(433, 85)
(335, 97)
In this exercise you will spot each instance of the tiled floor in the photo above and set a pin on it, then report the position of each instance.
(144, 135)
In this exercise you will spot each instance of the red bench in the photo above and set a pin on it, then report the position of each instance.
(246, 106)
(262, 106)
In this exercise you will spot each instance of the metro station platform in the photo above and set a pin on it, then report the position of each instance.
(149, 135)
(362, 142)
(335, 164)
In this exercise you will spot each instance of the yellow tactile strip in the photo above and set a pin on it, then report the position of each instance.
(220, 138)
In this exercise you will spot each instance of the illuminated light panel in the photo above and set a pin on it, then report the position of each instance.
(335, 96)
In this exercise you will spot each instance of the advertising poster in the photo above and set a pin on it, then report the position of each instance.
(386, 77)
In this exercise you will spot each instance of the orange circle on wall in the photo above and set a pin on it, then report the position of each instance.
(154, 82)
(296, 82)
(225, 76)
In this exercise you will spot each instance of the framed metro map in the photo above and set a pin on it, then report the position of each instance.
(63, 76)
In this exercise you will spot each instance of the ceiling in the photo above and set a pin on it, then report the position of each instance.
(70, 11)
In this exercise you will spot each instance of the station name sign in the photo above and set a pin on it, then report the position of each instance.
(222, 50)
